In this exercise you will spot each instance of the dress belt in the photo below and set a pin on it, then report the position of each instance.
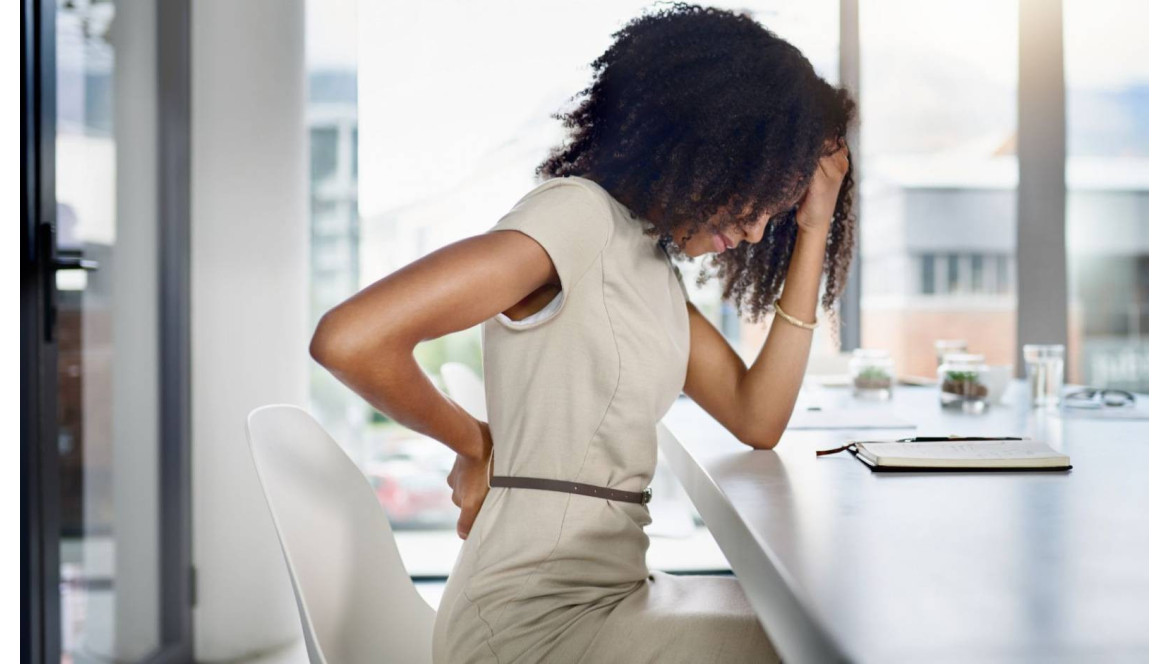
(641, 497)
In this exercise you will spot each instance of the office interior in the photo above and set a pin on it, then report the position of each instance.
(204, 179)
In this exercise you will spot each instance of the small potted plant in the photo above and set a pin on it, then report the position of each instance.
(872, 371)
(963, 382)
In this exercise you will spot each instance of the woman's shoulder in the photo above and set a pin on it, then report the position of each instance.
(573, 187)
(575, 204)
(614, 208)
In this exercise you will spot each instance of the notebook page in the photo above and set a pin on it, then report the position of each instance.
(1002, 452)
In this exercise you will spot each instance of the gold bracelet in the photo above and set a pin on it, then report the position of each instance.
(790, 319)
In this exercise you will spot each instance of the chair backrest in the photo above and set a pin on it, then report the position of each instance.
(356, 600)
(466, 388)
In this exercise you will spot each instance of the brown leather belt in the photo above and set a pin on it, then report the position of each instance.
(512, 481)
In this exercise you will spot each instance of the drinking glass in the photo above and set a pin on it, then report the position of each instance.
(943, 347)
(1045, 369)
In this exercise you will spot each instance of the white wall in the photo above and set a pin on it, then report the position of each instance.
(249, 319)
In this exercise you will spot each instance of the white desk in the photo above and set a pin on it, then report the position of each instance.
(844, 564)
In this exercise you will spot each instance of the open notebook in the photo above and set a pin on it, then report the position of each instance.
(957, 454)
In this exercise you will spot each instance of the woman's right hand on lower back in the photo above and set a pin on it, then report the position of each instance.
(469, 482)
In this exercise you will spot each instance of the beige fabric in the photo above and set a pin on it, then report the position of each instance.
(574, 392)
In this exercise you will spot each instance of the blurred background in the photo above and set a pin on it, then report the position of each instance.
(327, 143)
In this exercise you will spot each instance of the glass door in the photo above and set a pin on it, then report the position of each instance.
(110, 510)
(107, 331)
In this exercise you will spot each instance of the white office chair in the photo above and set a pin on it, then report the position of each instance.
(356, 600)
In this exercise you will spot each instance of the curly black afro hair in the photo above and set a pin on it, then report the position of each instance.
(693, 108)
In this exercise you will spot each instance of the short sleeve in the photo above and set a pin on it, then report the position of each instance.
(569, 220)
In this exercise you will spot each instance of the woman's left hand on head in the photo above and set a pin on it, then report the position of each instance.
(815, 211)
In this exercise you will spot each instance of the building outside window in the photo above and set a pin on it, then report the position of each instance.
(1107, 211)
(939, 170)
(334, 227)
(927, 263)
(977, 283)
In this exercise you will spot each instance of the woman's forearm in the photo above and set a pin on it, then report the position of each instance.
(392, 381)
(769, 388)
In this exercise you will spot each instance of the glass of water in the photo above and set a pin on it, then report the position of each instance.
(1045, 369)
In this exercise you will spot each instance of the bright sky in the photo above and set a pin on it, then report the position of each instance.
(443, 83)
(1112, 42)
(331, 33)
(1111, 38)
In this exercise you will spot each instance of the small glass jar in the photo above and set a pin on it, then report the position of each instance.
(944, 347)
(1044, 365)
(963, 380)
(872, 371)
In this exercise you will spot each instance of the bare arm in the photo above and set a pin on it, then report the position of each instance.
(770, 388)
(755, 404)
(368, 341)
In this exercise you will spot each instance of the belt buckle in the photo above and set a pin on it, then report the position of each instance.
(646, 495)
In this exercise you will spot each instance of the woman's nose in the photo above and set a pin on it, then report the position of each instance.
(755, 232)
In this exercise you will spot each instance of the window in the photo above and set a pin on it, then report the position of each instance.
(938, 97)
(927, 263)
(813, 28)
(334, 260)
(953, 285)
(323, 160)
(965, 274)
(353, 153)
(430, 172)
(1107, 206)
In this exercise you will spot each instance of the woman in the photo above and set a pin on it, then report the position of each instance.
(702, 132)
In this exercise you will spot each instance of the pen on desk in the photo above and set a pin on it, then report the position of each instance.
(943, 439)
(919, 439)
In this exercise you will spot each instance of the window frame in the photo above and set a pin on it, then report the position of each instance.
(1041, 275)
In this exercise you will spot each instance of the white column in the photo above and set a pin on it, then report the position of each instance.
(249, 299)
(849, 75)
(1042, 282)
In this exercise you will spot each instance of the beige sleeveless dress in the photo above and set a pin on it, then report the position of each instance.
(575, 392)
